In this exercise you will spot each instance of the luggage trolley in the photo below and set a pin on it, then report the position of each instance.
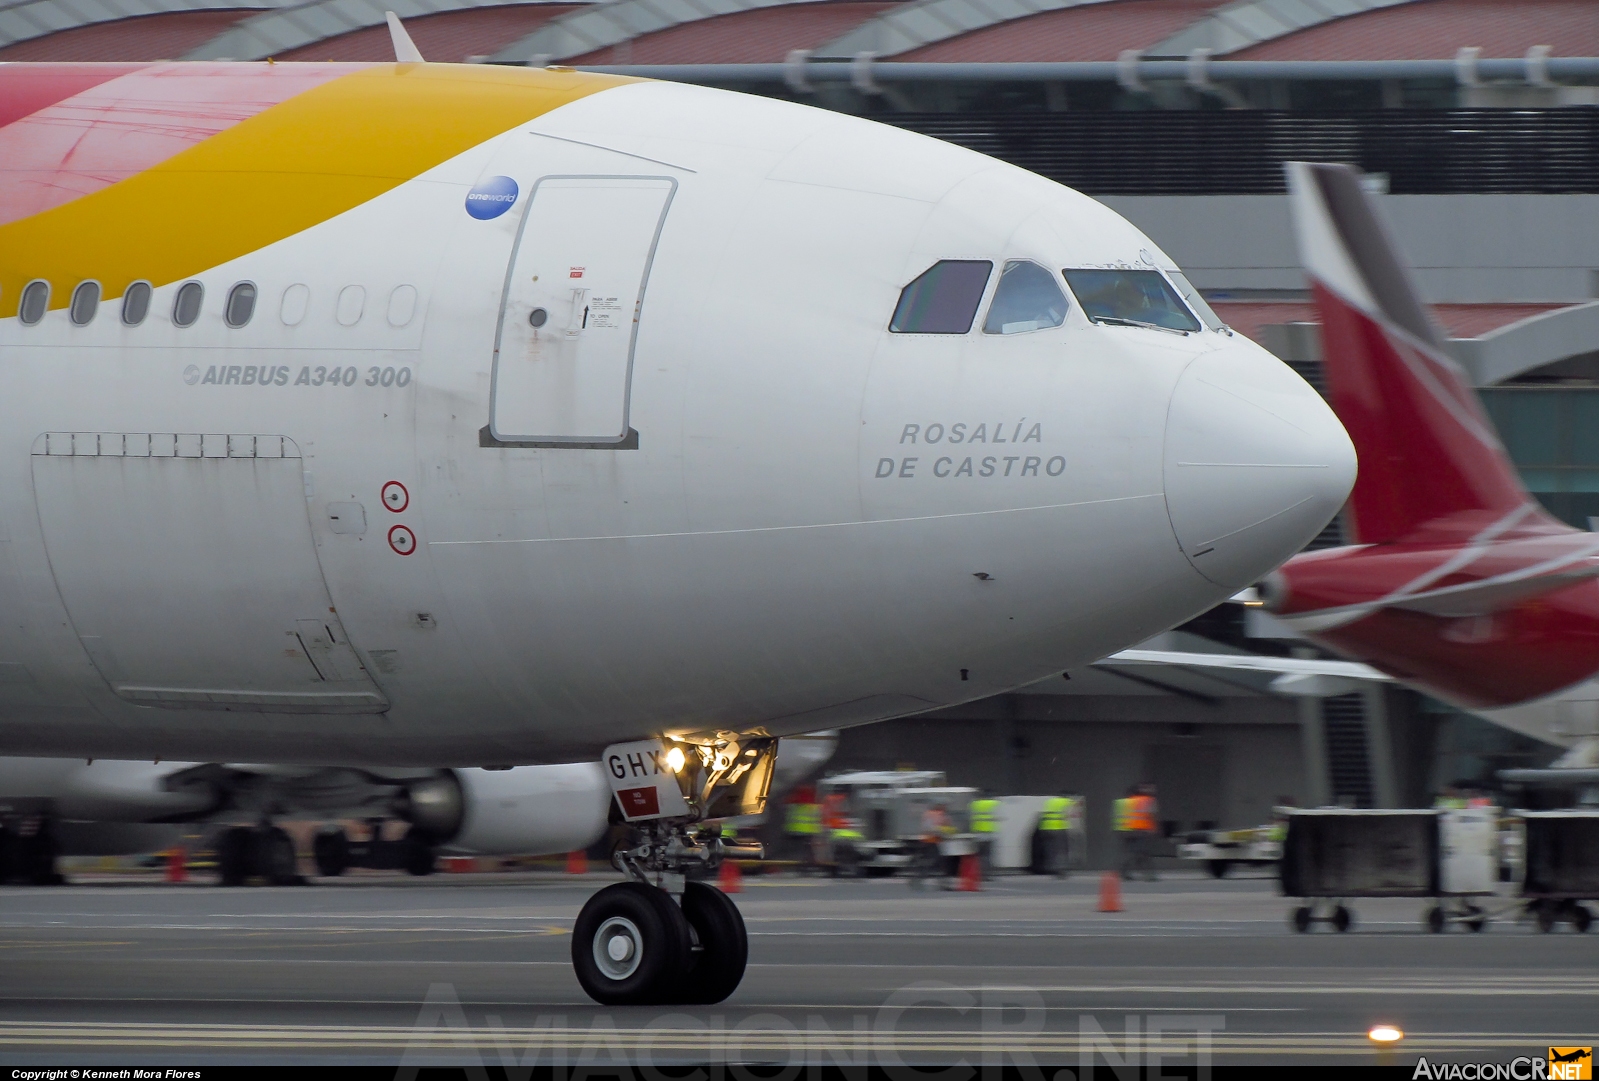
(1333, 855)
(1562, 860)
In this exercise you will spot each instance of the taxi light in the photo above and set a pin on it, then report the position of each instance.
(674, 758)
(1385, 1034)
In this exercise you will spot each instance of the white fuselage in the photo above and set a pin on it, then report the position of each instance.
(822, 523)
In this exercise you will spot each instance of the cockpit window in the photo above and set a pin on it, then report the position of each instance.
(1195, 301)
(1130, 298)
(944, 299)
(1027, 298)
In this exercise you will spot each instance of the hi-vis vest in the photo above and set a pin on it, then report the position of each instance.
(804, 818)
(1140, 814)
(982, 814)
(1123, 812)
(1053, 817)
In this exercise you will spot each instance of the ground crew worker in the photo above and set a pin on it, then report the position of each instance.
(935, 827)
(803, 822)
(984, 814)
(1135, 822)
(844, 836)
(1053, 824)
(1145, 828)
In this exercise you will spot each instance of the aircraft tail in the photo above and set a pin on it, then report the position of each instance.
(1427, 450)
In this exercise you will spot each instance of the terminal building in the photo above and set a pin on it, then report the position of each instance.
(1476, 120)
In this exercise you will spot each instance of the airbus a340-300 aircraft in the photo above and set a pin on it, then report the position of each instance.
(428, 415)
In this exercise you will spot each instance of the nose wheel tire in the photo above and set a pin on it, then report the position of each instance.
(718, 963)
(631, 945)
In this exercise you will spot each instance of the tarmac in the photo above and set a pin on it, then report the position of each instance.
(378, 968)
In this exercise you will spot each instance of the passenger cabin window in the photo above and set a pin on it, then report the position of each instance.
(35, 302)
(1026, 298)
(85, 302)
(944, 299)
(186, 306)
(241, 304)
(136, 303)
(1130, 298)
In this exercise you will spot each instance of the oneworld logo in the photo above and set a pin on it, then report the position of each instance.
(491, 198)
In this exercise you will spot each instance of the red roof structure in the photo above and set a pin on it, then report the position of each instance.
(1436, 29)
(448, 37)
(166, 36)
(761, 36)
(1094, 32)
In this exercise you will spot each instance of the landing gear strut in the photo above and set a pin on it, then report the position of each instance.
(662, 937)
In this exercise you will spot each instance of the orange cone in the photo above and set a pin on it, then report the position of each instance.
(971, 875)
(729, 878)
(1110, 892)
(577, 863)
(177, 864)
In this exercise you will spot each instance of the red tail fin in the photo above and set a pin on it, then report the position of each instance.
(1427, 450)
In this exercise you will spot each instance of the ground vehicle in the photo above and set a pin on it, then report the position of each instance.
(1221, 850)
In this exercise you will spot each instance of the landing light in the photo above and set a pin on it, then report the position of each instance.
(674, 758)
(1385, 1034)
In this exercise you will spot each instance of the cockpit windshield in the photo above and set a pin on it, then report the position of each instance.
(1130, 298)
(1027, 299)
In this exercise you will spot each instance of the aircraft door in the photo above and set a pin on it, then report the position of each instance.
(187, 567)
(569, 317)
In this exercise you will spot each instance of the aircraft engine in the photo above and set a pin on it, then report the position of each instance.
(533, 810)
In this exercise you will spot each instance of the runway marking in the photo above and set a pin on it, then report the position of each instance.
(705, 1040)
(254, 931)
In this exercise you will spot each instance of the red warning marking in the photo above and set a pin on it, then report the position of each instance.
(575, 272)
(395, 497)
(402, 540)
(639, 801)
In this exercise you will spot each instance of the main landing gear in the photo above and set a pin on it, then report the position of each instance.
(664, 937)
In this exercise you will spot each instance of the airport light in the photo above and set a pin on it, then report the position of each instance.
(1385, 1034)
(674, 758)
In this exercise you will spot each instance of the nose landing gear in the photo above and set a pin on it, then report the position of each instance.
(662, 939)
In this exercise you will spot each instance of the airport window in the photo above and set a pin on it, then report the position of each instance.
(35, 302)
(85, 302)
(241, 304)
(1026, 298)
(1552, 434)
(944, 299)
(186, 306)
(1130, 298)
(136, 303)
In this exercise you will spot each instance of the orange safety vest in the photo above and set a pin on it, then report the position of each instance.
(1141, 815)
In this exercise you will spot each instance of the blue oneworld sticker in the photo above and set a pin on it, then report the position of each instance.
(491, 197)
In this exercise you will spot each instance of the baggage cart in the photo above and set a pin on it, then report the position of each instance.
(1562, 867)
(1332, 856)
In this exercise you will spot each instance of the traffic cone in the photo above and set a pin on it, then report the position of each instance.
(1110, 892)
(729, 878)
(971, 875)
(177, 864)
(577, 862)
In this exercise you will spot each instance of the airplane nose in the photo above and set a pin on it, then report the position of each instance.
(1256, 463)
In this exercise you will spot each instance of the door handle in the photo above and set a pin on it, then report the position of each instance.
(580, 313)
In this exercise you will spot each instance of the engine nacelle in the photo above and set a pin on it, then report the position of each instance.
(533, 810)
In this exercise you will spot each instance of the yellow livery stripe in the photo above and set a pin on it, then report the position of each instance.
(275, 174)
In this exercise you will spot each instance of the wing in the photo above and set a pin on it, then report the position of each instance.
(1295, 675)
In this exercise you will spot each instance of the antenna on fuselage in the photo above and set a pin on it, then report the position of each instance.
(405, 50)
